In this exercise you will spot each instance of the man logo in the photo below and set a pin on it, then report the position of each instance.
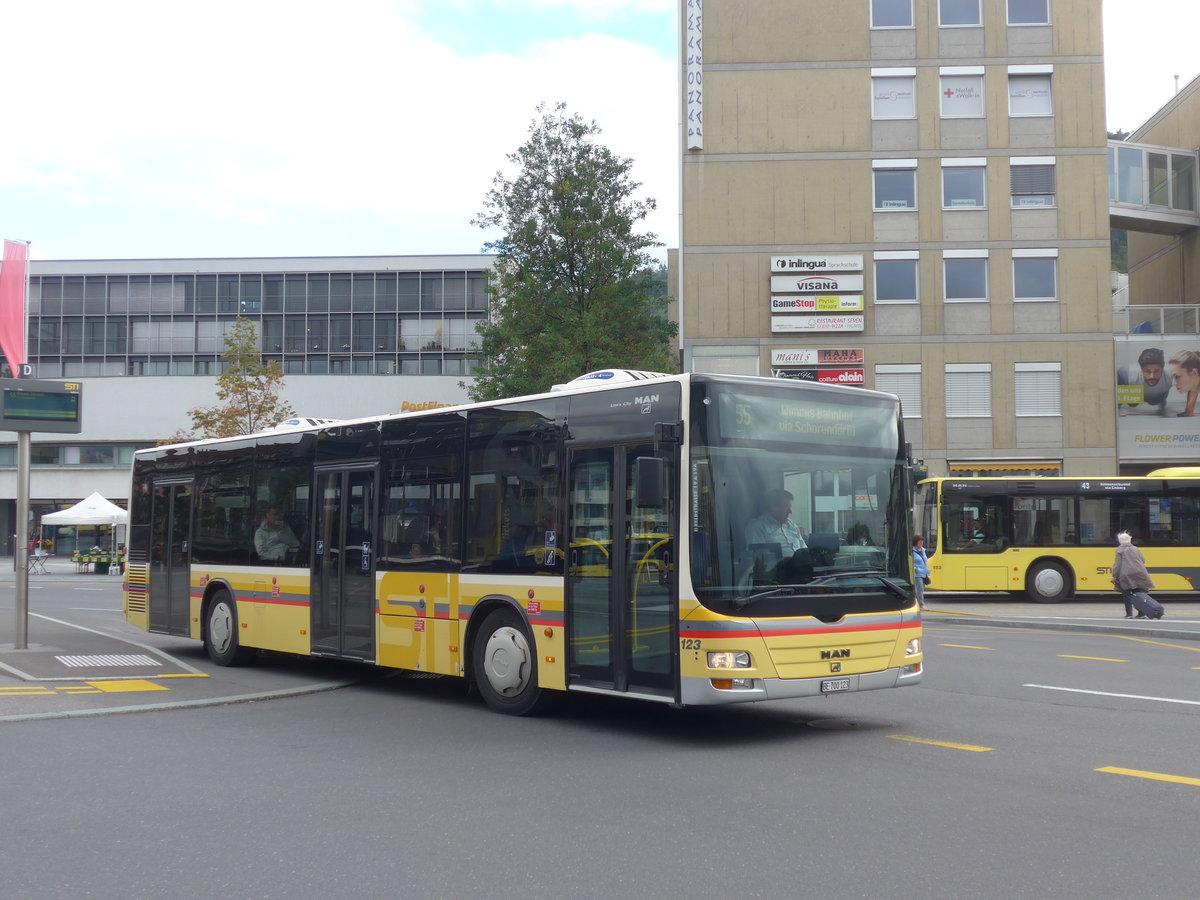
(835, 654)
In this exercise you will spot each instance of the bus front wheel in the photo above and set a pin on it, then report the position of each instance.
(504, 665)
(221, 632)
(1048, 582)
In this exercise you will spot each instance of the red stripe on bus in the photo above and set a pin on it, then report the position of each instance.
(790, 632)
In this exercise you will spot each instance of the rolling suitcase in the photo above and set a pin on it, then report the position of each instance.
(1145, 604)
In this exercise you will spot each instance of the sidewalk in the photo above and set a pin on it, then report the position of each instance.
(57, 569)
(1100, 614)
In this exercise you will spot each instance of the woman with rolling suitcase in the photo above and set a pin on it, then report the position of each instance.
(1133, 581)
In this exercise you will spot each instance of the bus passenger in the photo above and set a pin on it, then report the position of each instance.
(274, 539)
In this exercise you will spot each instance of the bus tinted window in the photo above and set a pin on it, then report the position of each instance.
(422, 491)
(513, 519)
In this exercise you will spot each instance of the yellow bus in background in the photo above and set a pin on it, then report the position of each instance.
(1050, 538)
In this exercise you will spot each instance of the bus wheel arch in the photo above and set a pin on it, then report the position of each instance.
(219, 628)
(1049, 580)
(503, 660)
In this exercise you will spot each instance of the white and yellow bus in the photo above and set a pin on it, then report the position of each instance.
(1053, 537)
(589, 539)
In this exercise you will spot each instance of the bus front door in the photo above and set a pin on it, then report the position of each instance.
(343, 600)
(170, 558)
(622, 603)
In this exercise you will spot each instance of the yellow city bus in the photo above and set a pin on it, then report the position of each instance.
(589, 539)
(1053, 537)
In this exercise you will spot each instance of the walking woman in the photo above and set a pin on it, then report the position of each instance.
(1130, 577)
(920, 568)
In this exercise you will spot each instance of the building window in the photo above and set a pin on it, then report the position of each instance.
(893, 93)
(895, 184)
(963, 184)
(968, 390)
(966, 275)
(1028, 12)
(896, 276)
(891, 14)
(959, 12)
(1038, 389)
(1029, 94)
(905, 382)
(962, 92)
(1032, 181)
(1035, 275)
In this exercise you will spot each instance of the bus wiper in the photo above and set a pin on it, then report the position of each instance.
(743, 602)
(878, 574)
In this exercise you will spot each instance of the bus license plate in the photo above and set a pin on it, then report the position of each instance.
(830, 685)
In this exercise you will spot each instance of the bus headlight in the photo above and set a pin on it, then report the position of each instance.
(728, 659)
(913, 648)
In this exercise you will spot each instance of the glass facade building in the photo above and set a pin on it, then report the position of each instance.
(358, 316)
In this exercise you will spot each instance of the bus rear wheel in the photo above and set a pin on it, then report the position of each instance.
(221, 632)
(1048, 582)
(504, 666)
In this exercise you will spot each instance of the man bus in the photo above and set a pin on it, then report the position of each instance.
(589, 539)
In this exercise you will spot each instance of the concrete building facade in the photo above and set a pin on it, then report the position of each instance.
(943, 164)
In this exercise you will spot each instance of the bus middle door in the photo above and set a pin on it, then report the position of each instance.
(622, 602)
(343, 598)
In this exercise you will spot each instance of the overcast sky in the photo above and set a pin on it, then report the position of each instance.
(159, 128)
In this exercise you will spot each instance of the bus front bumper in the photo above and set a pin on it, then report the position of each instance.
(704, 692)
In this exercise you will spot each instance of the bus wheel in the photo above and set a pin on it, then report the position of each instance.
(221, 632)
(504, 665)
(1048, 582)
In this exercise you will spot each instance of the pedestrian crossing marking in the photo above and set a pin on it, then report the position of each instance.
(109, 659)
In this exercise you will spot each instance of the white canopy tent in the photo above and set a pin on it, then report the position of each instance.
(92, 510)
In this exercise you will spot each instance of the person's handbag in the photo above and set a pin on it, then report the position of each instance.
(927, 579)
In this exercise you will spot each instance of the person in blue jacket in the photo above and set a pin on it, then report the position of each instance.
(920, 568)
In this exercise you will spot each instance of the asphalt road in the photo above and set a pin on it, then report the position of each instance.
(1030, 763)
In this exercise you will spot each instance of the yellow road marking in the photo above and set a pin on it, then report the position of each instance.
(27, 692)
(129, 686)
(916, 740)
(966, 647)
(1127, 637)
(1095, 658)
(1152, 776)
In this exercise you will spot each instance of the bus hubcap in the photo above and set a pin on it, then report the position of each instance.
(218, 627)
(1048, 582)
(506, 661)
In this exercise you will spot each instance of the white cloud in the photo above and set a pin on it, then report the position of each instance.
(1146, 44)
(257, 112)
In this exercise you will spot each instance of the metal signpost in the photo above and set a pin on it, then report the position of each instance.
(27, 406)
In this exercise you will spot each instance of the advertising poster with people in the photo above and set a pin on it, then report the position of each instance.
(1158, 380)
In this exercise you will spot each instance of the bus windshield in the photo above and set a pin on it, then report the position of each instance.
(798, 502)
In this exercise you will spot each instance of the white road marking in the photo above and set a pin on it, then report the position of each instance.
(1050, 687)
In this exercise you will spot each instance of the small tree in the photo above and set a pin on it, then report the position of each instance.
(573, 287)
(247, 391)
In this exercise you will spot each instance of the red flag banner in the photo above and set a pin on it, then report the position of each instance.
(12, 305)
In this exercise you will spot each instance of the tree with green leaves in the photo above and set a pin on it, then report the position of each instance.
(573, 288)
(247, 390)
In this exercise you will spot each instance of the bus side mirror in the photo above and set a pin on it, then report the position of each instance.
(650, 491)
